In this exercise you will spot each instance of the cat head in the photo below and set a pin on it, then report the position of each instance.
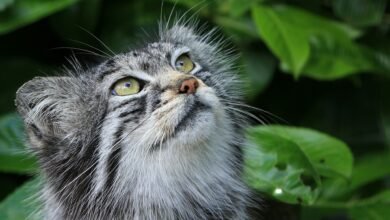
(165, 106)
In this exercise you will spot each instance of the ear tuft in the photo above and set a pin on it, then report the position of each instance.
(26, 96)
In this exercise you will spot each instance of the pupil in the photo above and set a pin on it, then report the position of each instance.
(127, 85)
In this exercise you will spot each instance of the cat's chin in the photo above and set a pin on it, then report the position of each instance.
(196, 127)
(192, 120)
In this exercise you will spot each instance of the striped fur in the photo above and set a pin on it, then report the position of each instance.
(153, 155)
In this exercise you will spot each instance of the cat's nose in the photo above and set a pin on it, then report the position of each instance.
(188, 86)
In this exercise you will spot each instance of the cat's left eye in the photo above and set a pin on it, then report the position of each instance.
(126, 86)
(184, 63)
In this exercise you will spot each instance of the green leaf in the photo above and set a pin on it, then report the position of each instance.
(25, 12)
(241, 30)
(21, 204)
(5, 4)
(385, 111)
(336, 58)
(309, 44)
(370, 168)
(238, 7)
(371, 208)
(13, 155)
(367, 169)
(375, 208)
(287, 42)
(360, 12)
(329, 155)
(259, 68)
(287, 162)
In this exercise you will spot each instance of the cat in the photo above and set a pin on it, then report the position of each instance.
(147, 134)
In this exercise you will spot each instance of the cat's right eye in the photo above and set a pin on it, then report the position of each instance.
(184, 63)
(126, 86)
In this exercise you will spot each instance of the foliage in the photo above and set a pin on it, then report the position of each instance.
(21, 13)
(13, 157)
(322, 65)
(293, 164)
(21, 204)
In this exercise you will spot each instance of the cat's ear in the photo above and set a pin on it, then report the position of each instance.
(38, 93)
(40, 103)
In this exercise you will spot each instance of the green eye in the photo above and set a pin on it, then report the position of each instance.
(126, 86)
(184, 63)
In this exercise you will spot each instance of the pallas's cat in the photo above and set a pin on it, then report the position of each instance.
(147, 134)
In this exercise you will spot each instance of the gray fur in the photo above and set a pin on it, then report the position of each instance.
(131, 157)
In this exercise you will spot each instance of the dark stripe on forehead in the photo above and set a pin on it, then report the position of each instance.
(109, 67)
(108, 72)
(145, 66)
(168, 56)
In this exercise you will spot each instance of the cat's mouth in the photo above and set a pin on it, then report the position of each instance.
(191, 117)
(185, 119)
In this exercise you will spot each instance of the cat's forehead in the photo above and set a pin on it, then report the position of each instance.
(150, 58)
(150, 52)
(159, 48)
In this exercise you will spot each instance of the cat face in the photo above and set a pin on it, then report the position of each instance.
(173, 116)
(158, 114)
(156, 97)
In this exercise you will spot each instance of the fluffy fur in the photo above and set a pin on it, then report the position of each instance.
(153, 155)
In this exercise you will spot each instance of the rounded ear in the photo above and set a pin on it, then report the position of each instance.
(39, 103)
(38, 92)
(26, 96)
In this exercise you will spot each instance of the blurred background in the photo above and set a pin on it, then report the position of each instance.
(323, 65)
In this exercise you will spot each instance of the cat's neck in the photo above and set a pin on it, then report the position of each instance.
(172, 188)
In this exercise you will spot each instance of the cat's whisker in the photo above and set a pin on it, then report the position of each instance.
(275, 118)
(179, 20)
(258, 109)
(75, 63)
(247, 114)
(170, 15)
(100, 41)
(92, 47)
(262, 117)
(146, 33)
(161, 13)
(83, 50)
(243, 105)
